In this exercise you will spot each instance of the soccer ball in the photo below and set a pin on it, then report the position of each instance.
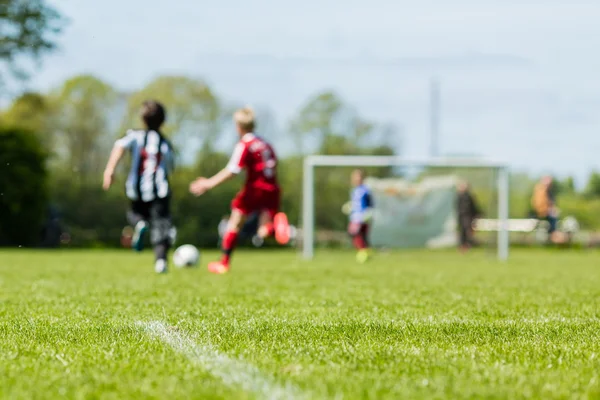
(570, 225)
(186, 256)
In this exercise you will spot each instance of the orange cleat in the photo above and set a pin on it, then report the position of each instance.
(217, 267)
(282, 228)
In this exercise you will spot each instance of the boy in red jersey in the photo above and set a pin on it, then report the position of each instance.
(260, 193)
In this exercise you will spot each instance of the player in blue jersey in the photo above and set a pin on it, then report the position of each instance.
(360, 211)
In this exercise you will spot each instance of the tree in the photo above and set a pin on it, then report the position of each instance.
(82, 121)
(193, 111)
(29, 29)
(592, 188)
(330, 126)
(30, 111)
(564, 187)
(23, 187)
(316, 120)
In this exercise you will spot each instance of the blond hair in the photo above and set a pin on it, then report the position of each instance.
(244, 118)
(360, 172)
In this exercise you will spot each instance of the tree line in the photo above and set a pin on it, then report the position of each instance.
(54, 147)
(72, 128)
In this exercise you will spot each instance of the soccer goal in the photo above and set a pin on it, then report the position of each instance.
(310, 192)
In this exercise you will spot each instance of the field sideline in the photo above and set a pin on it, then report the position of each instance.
(415, 324)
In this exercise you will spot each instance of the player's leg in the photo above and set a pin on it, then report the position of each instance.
(462, 235)
(266, 227)
(236, 221)
(273, 221)
(282, 228)
(354, 230)
(361, 241)
(162, 232)
(358, 242)
(138, 216)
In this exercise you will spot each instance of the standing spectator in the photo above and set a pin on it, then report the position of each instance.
(544, 205)
(467, 211)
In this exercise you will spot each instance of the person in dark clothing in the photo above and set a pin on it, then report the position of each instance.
(467, 211)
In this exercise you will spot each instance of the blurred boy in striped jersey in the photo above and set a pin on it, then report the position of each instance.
(147, 185)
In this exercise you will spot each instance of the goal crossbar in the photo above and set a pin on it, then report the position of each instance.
(308, 188)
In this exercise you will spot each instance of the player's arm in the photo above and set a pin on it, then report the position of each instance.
(201, 185)
(222, 176)
(368, 207)
(234, 167)
(168, 155)
(113, 160)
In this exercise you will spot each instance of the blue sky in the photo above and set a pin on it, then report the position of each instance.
(519, 78)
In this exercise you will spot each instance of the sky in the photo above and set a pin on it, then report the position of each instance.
(519, 79)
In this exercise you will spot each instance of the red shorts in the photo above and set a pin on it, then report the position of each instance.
(249, 201)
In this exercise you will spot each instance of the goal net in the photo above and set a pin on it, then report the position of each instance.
(413, 214)
(408, 212)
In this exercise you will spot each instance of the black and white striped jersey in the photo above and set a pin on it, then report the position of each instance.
(151, 163)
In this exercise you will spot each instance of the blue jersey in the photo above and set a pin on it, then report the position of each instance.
(361, 202)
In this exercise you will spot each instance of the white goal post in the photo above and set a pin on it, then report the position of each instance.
(314, 161)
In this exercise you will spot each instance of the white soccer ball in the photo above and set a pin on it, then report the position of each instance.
(186, 256)
(570, 225)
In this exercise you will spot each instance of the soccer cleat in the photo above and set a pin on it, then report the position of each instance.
(160, 267)
(217, 267)
(362, 256)
(137, 241)
(282, 228)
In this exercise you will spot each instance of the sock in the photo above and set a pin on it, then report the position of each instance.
(160, 251)
(229, 241)
(270, 229)
(359, 241)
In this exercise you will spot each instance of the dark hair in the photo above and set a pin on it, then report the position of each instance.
(153, 114)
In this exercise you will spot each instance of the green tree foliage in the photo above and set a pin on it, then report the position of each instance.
(567, 186)
(23, 187)
(316, 120)
(93, 217)
(30, 111)
(81, 121)
(592, 188)
(28, 28)
(193, 110)
(331, 126)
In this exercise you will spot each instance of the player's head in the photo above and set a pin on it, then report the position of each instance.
(547, 180)
(462, 186)
(153, 114)
(357, 177)
(244, 120)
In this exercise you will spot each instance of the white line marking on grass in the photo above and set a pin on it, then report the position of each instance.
(231, 371)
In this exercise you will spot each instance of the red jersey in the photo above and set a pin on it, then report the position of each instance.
(257, 157)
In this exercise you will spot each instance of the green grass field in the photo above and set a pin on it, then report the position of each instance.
(425, 325)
